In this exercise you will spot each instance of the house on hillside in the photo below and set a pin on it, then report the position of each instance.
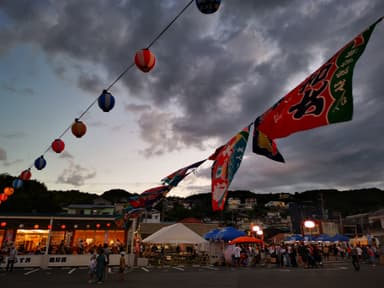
(98, 207)
(233, 203)
(250, 203)
(275, 204)
(153, 216)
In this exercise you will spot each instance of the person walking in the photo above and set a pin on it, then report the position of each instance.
(122, 265)
(355, 258)
(101, 264)
(107, 252)
(92, 268)
(12, 258)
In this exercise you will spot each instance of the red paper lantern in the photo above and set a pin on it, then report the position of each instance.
(58, 145)
(108, 225)
(78, 128)
(3, 224)
(3, 197)
(145, 60)
(97, 225)
(63, 226)
(49, 227)
(25, 175)
(8, 191)
(36, 226)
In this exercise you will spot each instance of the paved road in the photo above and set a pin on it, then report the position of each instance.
(331, 276)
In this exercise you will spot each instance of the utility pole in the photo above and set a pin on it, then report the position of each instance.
(341, 224)
(322, 206)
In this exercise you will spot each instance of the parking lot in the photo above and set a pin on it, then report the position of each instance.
(338, 275)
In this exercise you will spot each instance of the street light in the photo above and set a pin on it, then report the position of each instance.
(255, 228)
(310, 225)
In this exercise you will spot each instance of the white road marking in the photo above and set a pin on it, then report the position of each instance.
(178, 268)
(32, 271)
(212, 268)
(72, 270)
(145, 269)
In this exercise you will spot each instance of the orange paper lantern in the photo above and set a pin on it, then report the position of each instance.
(78, 128)
(8, 191)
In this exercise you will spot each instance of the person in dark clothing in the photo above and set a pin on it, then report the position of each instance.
(355, 258)
(101, 263)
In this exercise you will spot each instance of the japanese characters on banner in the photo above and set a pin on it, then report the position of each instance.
(325, 97)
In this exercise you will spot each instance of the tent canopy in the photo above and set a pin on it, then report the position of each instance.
(340, 238)
(324, 238)
(210, 235)
(175, 234)
(246, 239)
(228, 234)
(294, 237)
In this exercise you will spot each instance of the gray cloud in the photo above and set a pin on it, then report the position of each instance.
(75, 175)
(220, 72)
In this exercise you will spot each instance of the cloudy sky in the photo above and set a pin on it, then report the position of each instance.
(213, 76)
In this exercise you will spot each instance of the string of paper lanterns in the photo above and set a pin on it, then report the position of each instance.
(144, 60)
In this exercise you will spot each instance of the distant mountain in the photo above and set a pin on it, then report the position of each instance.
(34, 197)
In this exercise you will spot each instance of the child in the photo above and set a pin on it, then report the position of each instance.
(122, 265)
(92, 268)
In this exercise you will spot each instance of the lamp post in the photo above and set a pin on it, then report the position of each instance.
(310, 225)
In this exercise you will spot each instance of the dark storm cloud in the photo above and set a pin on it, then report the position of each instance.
(220, 72)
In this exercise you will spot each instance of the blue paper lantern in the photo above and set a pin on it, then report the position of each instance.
(17, 183)
(106, 101)
(208, 6)
(40, 163)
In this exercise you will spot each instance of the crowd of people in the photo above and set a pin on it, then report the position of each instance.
(300, 254)
(99, 265)
(8, 255)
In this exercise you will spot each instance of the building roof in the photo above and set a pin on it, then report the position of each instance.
(190, 220)
(199, 228)
(88, 206)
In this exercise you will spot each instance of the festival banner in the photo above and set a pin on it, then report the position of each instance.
(227, 162)
(176, 177)
(323, 98)
(263, 145)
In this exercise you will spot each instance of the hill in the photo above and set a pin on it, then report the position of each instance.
(34, 197)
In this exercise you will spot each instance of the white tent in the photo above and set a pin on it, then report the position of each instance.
(175, 234)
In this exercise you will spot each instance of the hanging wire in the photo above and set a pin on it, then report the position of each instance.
(169, 25)
(158, 36)
(152, 42)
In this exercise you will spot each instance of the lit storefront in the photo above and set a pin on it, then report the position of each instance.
(65, 234)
